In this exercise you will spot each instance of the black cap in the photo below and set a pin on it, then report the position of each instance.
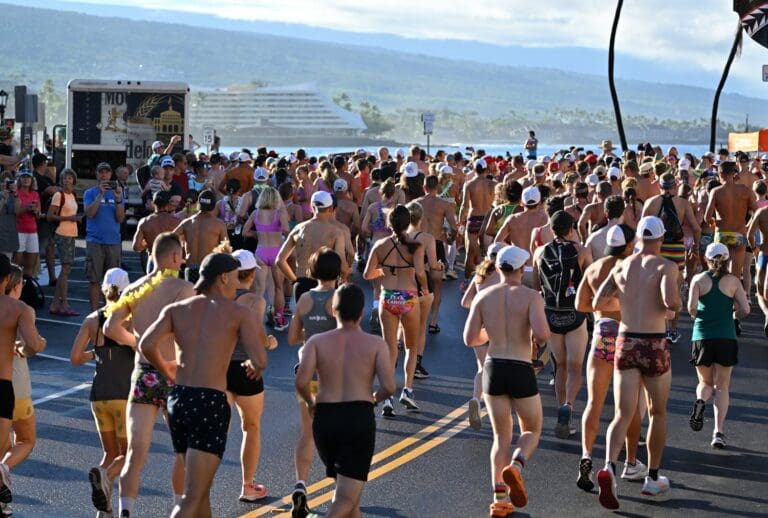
(161, 198)
(214, 265)
(561, 223)
(207, 201)
(103, 165)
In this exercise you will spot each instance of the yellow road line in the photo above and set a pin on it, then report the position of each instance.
(388, 452)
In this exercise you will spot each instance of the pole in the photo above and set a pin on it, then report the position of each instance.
(427, 143)
(611, 82)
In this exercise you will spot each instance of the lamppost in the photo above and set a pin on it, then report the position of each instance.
(3, 104)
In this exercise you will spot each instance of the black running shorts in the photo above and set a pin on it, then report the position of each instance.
(241, 385)
(345, 435)
(722, 351)
(563, 322)
(7, 399)
(511, 378)
(199, 419)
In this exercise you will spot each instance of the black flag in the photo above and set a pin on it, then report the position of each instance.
(754, 19)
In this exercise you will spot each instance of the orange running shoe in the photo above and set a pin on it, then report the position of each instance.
(502, 509)
(514, 481)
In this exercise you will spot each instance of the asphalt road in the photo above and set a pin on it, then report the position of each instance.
(428, 464)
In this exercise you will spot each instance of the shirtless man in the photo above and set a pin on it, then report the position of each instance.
(518, 227)
(579, 200)
(593, 214)
(646, 286)
(308, 237)
(504, 316)
(205, 330)
(146, 399)
(673, 247)
(344, 425)
(349, 247)
(347, 212)
(613, 208)
(729, 205)
(16, 319)
(476, 200)
(760, 223)
(200, 234)
(646, 185)
(353, 182)
(149, 227)
(617, 246)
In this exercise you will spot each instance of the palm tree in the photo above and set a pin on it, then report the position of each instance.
(611, 82)
(735, 50)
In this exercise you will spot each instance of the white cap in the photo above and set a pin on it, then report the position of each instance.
(684, 165)
(614, 172)
(233, 156)
(322, 200)
(340, 185)
(292, 158)
(400, 152)
(593, 179)
(494, 249)
(480, 163)
(646, 167)
(445, 169)
(361, 151)
(411, 170)
(244, 157)
(570, 157)
(261, 174)
(247, 260)
(117, 277)
(529, 165)
(156, 144)
(559, 177)
(512, 256)
(650, 227)
(717, 250)
(545, 159)
(531, 195)
(616, 240)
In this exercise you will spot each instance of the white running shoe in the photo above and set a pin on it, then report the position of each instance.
(474, 414)
(6, 497)
(407, 400)
(388, 408)
(655, 487)
(636, 472)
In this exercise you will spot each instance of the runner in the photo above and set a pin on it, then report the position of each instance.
(149, 227)
(759, 223)
(140, 303)
(399, 262)
(646, 286)
(613, 209)
(343, 424)
(557, 270)
(517, 228)
(593, 217)
(714, 350)
(509, 382)
(199, 377)
(476, 200)
(109, 391)
(600, 362)
(200, 234)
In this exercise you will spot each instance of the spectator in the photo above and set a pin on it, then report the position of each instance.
(63, 214)
(26, 223)
(180, 177)
(10, 206)
(46, 188)
(105, 211)
(242, 172)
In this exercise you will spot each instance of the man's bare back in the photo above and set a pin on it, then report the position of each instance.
(729, 205)
(309, 236)
(16, 318)
(201, 234)
(436, 210)
(593, 278)
(517, 229)
(478, 195)
(152, 226)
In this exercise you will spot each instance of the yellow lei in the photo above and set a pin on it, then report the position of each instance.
(130, 299)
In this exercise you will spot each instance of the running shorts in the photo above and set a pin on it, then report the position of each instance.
(512, 378)
(722, 351)
(604, 339)
(110, 416)
(646, 352)
(23, 409)
(7, 399)
(149, 387)
(563, 322)
(199, 419)
(239, 383)
(345, 436)
(474, 224)
(675, 252)
(440, 250)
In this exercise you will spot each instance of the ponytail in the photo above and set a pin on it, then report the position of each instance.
(400, 220)
(718, 266)
(485, 269)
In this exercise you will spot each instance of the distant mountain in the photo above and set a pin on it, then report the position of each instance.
(66, 45)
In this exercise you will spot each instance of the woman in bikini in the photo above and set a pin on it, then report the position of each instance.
(327, 176)
(399, 263)
(542, 235)
(268, 223)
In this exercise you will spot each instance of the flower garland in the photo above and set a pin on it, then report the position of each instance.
(132, 298)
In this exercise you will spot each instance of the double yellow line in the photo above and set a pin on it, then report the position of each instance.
(420, 436)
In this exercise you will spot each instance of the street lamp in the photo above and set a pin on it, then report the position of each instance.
(3, 104)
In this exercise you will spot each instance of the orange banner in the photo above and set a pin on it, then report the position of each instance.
(757, 141)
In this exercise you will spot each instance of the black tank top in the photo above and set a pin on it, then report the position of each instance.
(114, 365)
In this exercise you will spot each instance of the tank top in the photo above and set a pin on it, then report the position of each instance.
(238, 353)
(714, 314)
(273, 227)
(507, 210)
(114, 365)
(318, 320)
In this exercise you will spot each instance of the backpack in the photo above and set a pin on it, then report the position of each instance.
(672, 226)
(62, 201)
(32, 294)
(559, 274)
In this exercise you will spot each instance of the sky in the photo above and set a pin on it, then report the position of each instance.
(696, 33)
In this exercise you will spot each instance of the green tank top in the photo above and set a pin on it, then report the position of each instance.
(714, 314)
(508, 210)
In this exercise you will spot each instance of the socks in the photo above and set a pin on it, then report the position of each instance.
(518, 460)
(613, 467)
(499, 492)
(177, 500)
(654, 474)
(127, 503)
(300, 486)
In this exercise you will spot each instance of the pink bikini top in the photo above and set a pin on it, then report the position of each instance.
(274, 227)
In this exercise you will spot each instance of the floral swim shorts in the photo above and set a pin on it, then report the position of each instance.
(646, 352)
(149, 387)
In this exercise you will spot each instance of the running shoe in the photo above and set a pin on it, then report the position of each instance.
(673, 336)
(388, 408)
(252, 492)
(475, 421)
(655, 487)
(420, 373)
(5, 510)
(6, 497)
(585, 475)
(697, 415)
(514, 481)
(287, 312)
(101, 489)
(125, 514)
(636, 472)
(607, 492)
(451, 274)
(408, 401)
(718, 440)
(281, 323)
(300, 508)
(563, 426)
(270, 312)
(502, 509)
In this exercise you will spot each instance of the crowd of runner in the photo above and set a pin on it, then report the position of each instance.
(578, 256)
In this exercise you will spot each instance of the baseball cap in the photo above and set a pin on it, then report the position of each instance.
(668, 181)
(481, 164)
(167, 161)
(340, 185)
(530, 164)
(650, 227)
(617, 239)
(511, 256)
(115, 277)
(593, 179)
(614, 172)
(246, 259)
(559, 177)
(411, 170)
(260, 174)
(684, 164)
(531, 195)
(156, 144)
(214, 265)
(103, 165)
(244, 157)
(591, 159)
(161, 198)
(554, 167)
(494, 249)
(207, 200)
(445, 169)
(322, 200)
(361, 151)
(647, 167)
(716, 250)
(26, 172)
(546, 159)
(400, 152)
